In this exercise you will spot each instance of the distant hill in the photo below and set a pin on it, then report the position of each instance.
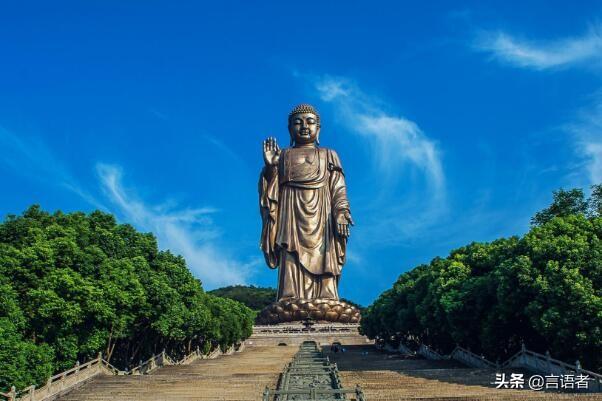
(253, 297)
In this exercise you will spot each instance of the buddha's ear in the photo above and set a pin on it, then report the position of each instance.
(318, 139)
(290, 132)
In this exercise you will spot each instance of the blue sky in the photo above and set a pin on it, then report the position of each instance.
(454, 121)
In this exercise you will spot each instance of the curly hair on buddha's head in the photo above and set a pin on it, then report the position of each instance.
(304, 108)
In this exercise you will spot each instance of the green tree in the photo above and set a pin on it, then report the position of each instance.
(565, 203)
(255, 298)
(76, 284)
(544, 288)
(594, 203)
(23, 362)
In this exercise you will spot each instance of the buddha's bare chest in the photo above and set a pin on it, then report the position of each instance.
(301, 157)
(304, 165)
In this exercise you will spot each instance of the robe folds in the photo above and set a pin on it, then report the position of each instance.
(299, 200)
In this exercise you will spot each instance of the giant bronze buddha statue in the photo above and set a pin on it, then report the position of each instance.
(306, 223)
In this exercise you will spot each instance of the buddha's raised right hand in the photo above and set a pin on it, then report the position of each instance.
(271, 152)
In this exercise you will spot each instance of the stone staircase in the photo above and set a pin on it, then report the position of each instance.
(244, 376)
(387, 377)
(238, 377)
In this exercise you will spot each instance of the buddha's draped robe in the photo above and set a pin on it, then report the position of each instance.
(299, 201)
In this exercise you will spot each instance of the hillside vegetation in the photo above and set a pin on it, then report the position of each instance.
(255, 298)
(544, 288)
(73, 285)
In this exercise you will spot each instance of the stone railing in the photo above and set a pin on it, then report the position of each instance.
(197, 354)
(546, 364)
(429, 353)
(295, 329)
(152, 364)
(324, 383)
(469, 358)
(193, 356)
(80, 374)
(403, 349)
(214, 354)
(524, 359)
(64, 381)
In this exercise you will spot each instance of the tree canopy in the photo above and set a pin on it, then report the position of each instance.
(544, 288)
(75, 284)
(255, 298)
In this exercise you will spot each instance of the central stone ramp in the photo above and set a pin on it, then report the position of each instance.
(387, 377)
(238, 377)
(311, 376)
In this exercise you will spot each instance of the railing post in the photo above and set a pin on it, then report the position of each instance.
(77, 366)
(99, 361)
(13, 393)
(578, 366)
(548, 361)
(32, 393)
(49, 384)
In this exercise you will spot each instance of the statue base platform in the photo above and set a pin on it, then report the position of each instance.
(295, 333)
(319, 310)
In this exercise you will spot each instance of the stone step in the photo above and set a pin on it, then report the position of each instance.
(243, 377)
(386, 377)
(238, 377)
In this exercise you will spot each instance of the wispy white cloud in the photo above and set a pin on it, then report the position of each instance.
(403, 156)
(593, 150)
(31, 158)
(189, 232)
(541, 55)
(587, 132)
(397, 141)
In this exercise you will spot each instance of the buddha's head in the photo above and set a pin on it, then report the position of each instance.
(304, 125)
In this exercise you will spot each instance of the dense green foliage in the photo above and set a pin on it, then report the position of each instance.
(255, 298)
(73, 285)
(544, 288)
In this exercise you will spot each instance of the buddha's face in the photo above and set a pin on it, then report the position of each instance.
(304, 128)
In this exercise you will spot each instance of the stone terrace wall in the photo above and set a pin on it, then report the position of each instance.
(295, 334)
